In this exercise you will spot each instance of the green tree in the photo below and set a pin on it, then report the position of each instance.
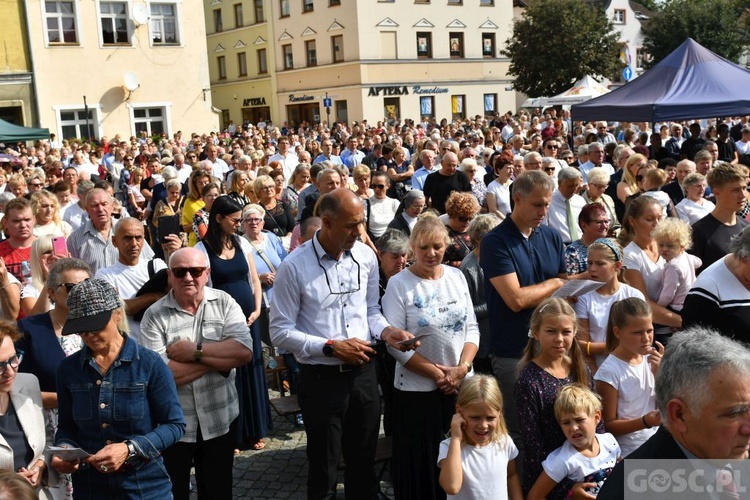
(557, 42)
(719, 25)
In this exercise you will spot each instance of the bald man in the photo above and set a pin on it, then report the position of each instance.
(328, 324)
(439, 185)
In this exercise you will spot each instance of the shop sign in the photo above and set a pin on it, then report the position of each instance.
(433, 90)
(254, 101)
(301, 98)
(376, 91)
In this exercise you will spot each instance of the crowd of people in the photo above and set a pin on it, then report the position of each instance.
(414, 273)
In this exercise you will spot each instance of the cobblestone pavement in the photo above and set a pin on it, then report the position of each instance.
(280, 470)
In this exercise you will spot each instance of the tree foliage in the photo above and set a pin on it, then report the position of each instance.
(719, 25)
(557, 42)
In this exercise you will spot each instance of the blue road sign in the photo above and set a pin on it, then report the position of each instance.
(627, 73)
(327, 102)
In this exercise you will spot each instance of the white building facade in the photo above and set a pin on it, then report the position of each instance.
(140, 66)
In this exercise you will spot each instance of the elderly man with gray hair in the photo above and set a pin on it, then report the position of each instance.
(566, 205)
(703, 396)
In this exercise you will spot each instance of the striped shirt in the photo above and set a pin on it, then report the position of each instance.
(86, 243)
(211, 400)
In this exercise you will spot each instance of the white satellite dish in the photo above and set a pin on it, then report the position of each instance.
(140, 14)
(130, 83)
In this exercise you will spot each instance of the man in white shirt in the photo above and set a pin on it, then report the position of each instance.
(131, 272)
(325, 311)
(219, 166)
(288, 159)
(566, 205)
(183, 169)
(596, 159)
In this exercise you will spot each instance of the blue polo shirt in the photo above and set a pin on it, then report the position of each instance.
(535, 259)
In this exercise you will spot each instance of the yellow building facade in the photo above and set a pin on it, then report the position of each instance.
(16, 78)
(374, 59)
(140, 67)
(241, 60)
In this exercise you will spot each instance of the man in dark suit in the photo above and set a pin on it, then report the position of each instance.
(674, 189)
(703, 395)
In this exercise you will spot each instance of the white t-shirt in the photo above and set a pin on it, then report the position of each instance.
(652, 272)
(75, 216)
(635, 396)
(502, 196)
(12, 280)
(128, 280)
(568, 462)
(485, 469)
(595, 308)
(381, 214)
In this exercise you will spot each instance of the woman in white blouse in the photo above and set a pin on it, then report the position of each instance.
(498, 191)
(430, 299)
(694, 206)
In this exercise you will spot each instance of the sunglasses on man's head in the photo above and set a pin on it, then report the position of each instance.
(181, 272)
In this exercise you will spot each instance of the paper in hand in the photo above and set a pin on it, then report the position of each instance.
(574, 288)
(68, 454)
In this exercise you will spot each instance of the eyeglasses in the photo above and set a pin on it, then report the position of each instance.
(127, 159)
(181, 272)
(346, 290)
(235, 220)
(14, 362)
(549, 169)
(378, 186)
(603, 222)
(553, 146)
(69, 286)
(36, 184)
(253, 221)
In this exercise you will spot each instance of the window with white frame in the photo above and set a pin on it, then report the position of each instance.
(73, 123)
(164, 24)
(114, 19)
(150, 120)
(619, 16)
(61, 22)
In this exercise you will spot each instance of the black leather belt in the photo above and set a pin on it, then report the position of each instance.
(333, 369)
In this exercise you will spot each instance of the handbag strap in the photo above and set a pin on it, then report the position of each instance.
(263, 256)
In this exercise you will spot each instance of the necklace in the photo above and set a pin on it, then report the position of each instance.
(57, 325)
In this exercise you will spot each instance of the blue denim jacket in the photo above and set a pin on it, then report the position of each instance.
(136, 400)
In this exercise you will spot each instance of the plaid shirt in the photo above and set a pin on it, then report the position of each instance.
(211, 400)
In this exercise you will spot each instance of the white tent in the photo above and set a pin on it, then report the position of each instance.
(586, 88)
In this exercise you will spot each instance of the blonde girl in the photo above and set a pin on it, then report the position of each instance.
(592, 308)
(478, 460)
(625, 380)
(674, 237)
(552, 359)
(628, 186)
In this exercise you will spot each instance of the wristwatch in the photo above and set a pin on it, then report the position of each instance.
(198, 354)
(328, 349)
(132, 452)
(468, 366)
